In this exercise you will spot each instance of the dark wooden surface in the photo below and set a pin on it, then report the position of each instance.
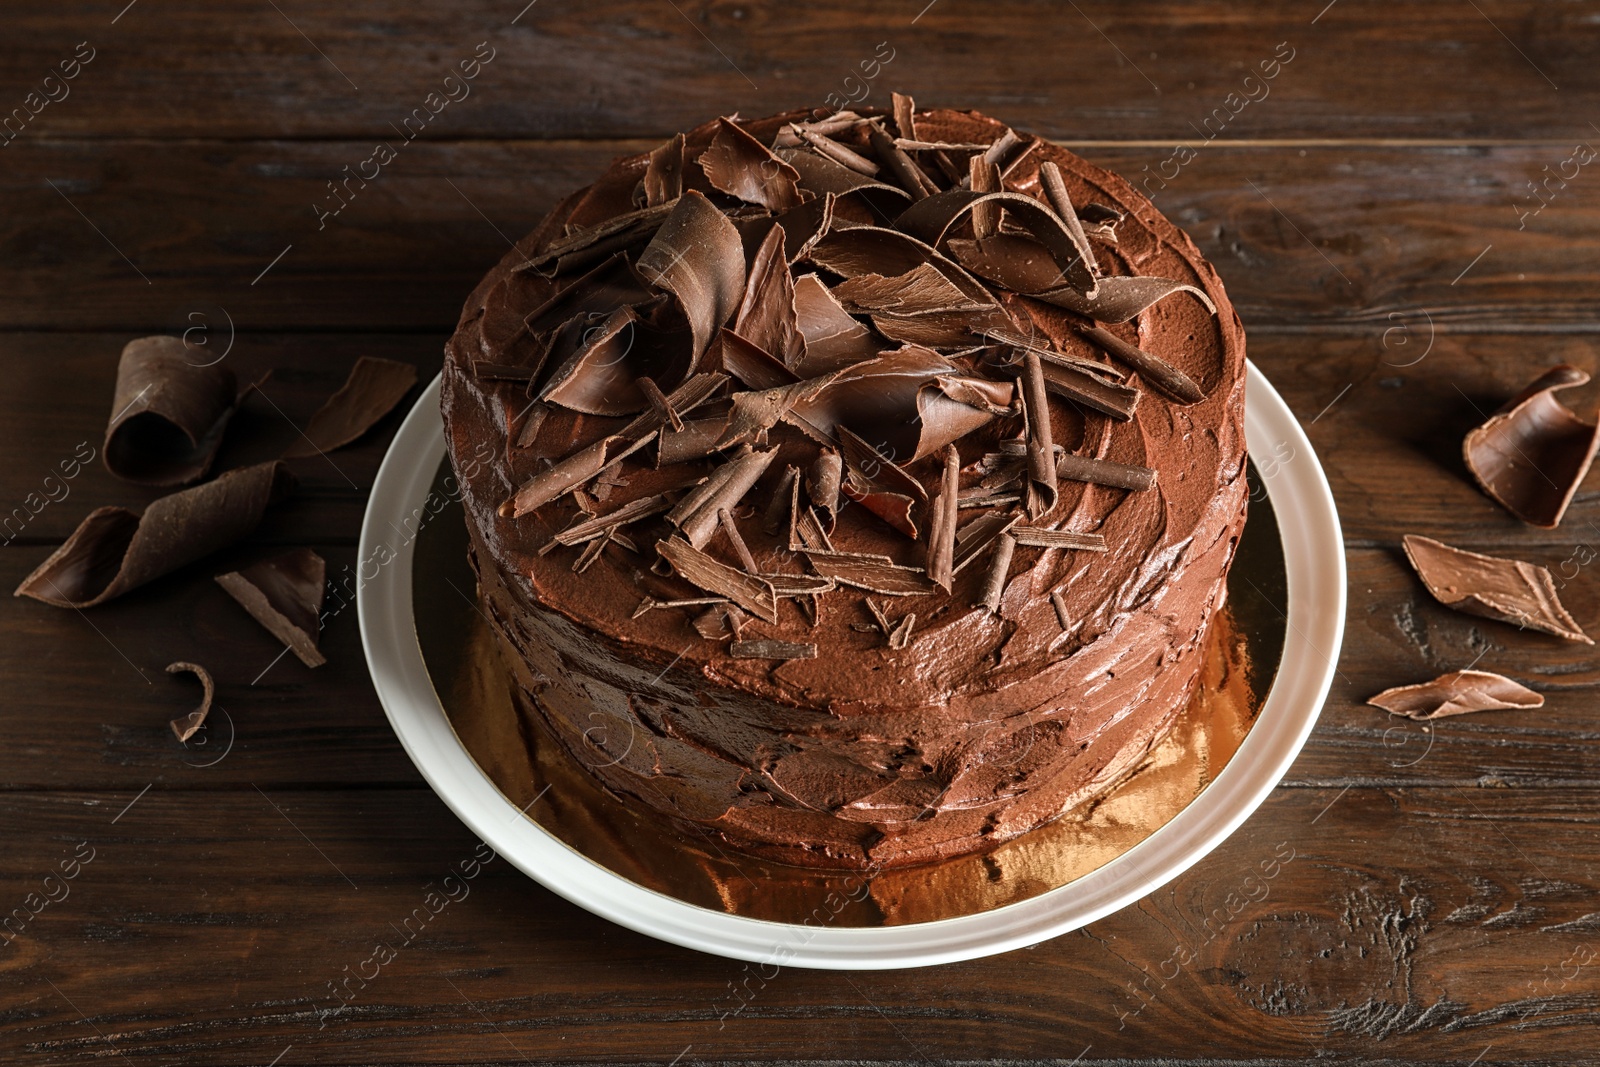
(1443, 900)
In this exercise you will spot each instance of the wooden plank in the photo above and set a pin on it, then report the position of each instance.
(1344, 236)
(1366, 923)
(1099, 70)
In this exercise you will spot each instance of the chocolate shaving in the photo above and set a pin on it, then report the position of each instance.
(1059, 602)
(822, 484)
(900, 636)
(858, 250)
(731, 531)
(696, 514)
(1028, 267)
(838, 122)
(766, 315)
(1532, 454)
(984, 177)
(597, 375)
(371, 391)
(1121, 298)
(820, 175)
(1456, 693)
(738, 164)
(942, 525)
(1104, 472)
(485, 371)
(976, 536)
(913, 145)
(1041, 494)
(114, 550)
(650, 603)
(768, 649)
(873, 573)
(697, 439)
(713, 625)
(532, 419)
(800, 585)
(168, 413)
(680, 402)
(698, 257)
(910, 176)
(595, 525)
(884, 626)
(837, 152)
(780, 509)
(1507, 590)
(186, 726)
(904, 109)
(1050, 355)
(999, 567)
(594, 243)
(833, 339)
(1158, 372)
(1055, 191)
(756, 412)
(284, 594)
(809, 531)
(663, 178)
(571, 473)
(1040, 537)
(752, 593)
(932, 219)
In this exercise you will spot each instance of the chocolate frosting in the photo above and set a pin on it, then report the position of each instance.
(901, 740)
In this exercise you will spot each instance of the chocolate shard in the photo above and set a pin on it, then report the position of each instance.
(663, 178)
(697, 256)
(593, 244)
(1042, 493)
(1532, 454)
(1042, 344)
(571, 473)
(1025, 266)
(680, 402)
(900, 636)
(168, 413)
(1059, 602)
(833, 338)
(114, 550)
(800, 585)
(1091, 390)
(824, 480)
(752, 593)
(1104, 472)
(904, 110)
(858, 250)
(593, 526)
(749, 364)
(596, 372)
(186, 726)
(932, 219)
(1507, 590)
(373, 389)
(739, 165)
(1158, 372)
(872, 469)
(789, 137)
(1121, 298)
(768, 649)
(1457, 693)
(766, 315)
(757, 411)
(730, 530)
(978, 534)
(1039, 537)
(284, 594)
(1055, 191)
(821, 175)
(875, 574)
(780, 509)
(485, 371)
(942, 525)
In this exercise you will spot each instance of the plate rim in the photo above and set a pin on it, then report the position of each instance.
(1313, 550)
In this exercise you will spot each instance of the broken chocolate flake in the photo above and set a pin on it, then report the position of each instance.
(999, 567)
(857, 250)
(1104, 472)
(596, 373)
(587, 529)
(1041, 494)
(984, 177)
(1091, 390)
(485, 371)
(593, 244)
(780, 509)
(284, 594)
(767, 649)
(976, 536)
(837, 152)
(1158, 372)
(697, 256)
(168, 413)
(570, 473)
(114, 550)
(900, 636)
(185, 726)
(1532, 454)
(731, 531)
(821, 175)
(875, 574)
(932, 219)
(901, 165)
(371, 391)
(1055, 191)
(681, 401)
(1507, 590)
(1039, 537)
(904, 110)
(663, 178)
(823, 481)
(833, 339)
(766, 315)
(1456, 693)
(650, 603)
(800, 585)
(750, 592)
(942, 525)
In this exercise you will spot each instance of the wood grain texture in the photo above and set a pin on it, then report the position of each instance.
(615, 69)
(1348, 236)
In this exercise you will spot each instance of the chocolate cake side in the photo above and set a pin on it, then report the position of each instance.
(1014, 694)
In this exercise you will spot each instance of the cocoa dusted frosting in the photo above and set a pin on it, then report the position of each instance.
(863, 484)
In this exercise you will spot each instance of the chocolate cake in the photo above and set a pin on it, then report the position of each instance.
(854, 489)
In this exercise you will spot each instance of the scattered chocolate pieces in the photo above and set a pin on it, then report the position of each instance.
(1507, 590)
(168, 413)
(114, 550)
(696, 514)
(1531, 456)
(1456, 693)
(371, 391)
(284, 594)
(771, 650)
(185, 726)
(932, 219)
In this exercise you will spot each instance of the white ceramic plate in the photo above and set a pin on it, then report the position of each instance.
(1313, 550)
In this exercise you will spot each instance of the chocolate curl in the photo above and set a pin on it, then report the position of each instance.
(597, 525)
(1042, 492)
(1042, 345)
(697, 257)
(976, 535)
(1507, 590)
(999, 567)
(750, 592)
(609, 285)
(595, 377)
(1104, 472)
(875, 574)
(984, 177)
(1121, 298)
(726, 487)
(680, 402)
(754, 413)
(858, 250)
(371, 391)
(942, 526)
(572, 472)
(780, 509)
(1055, 191)
(1532, 454)
(593, 244)
(185, 726)
(1023, 265)
(904, 169)
(1456, 693)
(904, 109)
(838, 122)
(837, 152)
(822, 483)
(1091, 390)
(284, 594)
(114, 550)
(833, 338)
(932, 219)
(920, 306)
(769, 649)
(168, 414)
(821, 175)
(766, 315)
(663, 178)
(726, 524)
(739, 165)
(1161, 375)
(1040, 537)
(1059, 602)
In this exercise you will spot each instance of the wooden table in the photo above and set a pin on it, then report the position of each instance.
(1373, 218)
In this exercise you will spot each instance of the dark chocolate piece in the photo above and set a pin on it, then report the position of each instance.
(1041, 495)
(1456, 693)
(697, 256)
(373, 389)
(168, 413)
(999, 567)
(284, 594)
(1158, 372)
(738, 164)
(875, 574)
(768, 649)
(1104, 472)
(1532, 454)
(185, 726)
(751, 592)
(1038, 537)
(942, 525)
(1508, 590)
